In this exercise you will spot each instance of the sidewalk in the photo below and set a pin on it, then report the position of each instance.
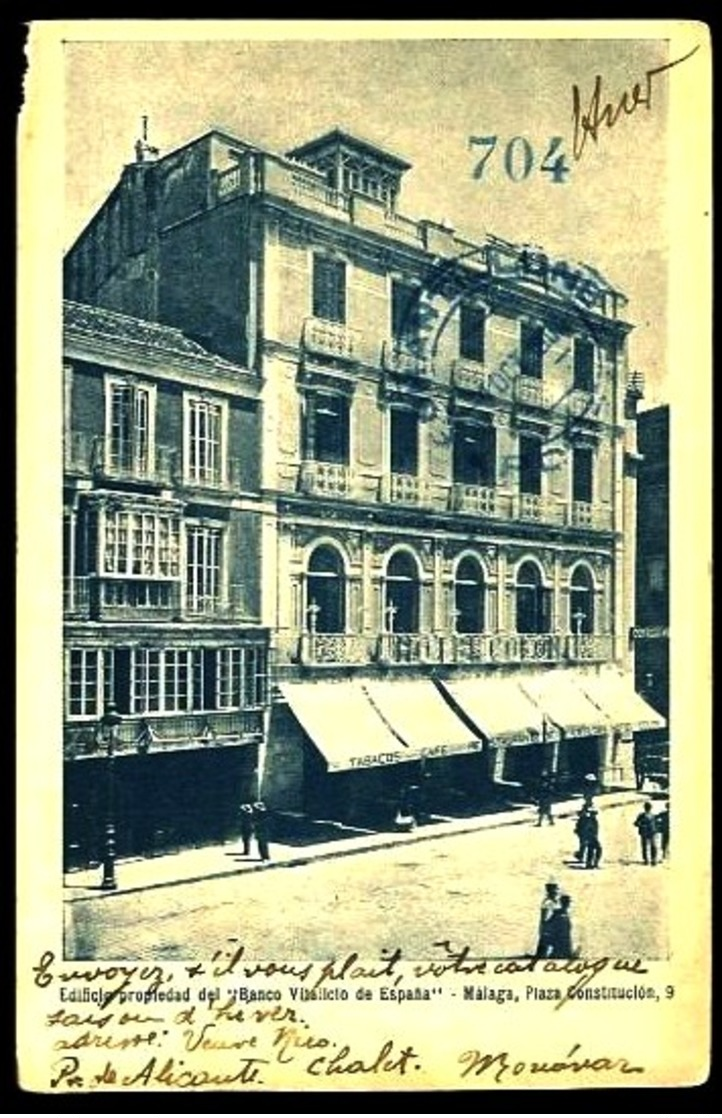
(199, 864)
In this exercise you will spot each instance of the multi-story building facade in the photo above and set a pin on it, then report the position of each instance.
(162, 531)
(651, 632)
(449, 445)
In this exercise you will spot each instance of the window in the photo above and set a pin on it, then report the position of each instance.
(472, 322)
(582, 475)
(401, 603)
(583, 365)
(581, 601)
(530, 464)
(205, 442)
(531, 360)
(203, 568)
(83, 680)
(475, 454)
(326, 592)
(329, 289)
(129, 429)
(140, 543)
(533, 603)
(405, 313)
(404, 441)
(469, 596)
(326, 429)
(657, 575)
(146, 682)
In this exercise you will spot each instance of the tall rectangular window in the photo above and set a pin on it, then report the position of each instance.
(326, 428)
(531, 359)
(530, 464)
(472, 322)
(582, 474)
(583, 365)
(129, 428)
(82, 683)
(475, 454)
(203, 568)
(205, 442)
(329, 289)
(146, 683)
(176, 679)
(405, 313)
(404, 441)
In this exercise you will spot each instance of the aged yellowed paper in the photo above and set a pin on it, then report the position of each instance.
(338, 345)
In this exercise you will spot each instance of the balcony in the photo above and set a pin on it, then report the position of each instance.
(327, 479)
(145, 599)
(95, 455)
(333, 648)
(405, 358)
(160, 733)
(403, 489)
(332, 339)
(222, 607)
(535, 507)
(531, 391)
(480, 500)
(581, 514)
(214, 480)
(471, 376)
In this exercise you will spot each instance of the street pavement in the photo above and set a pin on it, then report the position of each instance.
(477, 886)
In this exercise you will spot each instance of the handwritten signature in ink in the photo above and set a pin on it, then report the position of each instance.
(587, 124)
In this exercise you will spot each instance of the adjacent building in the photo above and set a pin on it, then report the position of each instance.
(447, 468)
(651, 632)
(162, 544)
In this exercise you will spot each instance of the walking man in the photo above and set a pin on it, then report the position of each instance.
(544, 799)
(587, 831)
(646, 825)
(260, 827)
(662, 826)
(246, 827)
(549, 906)
(560, 931)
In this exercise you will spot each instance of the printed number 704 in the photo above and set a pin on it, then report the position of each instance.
(519, 158)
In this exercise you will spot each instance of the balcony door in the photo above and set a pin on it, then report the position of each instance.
(581, 602)
(326, 592)
(401, 604)
(533, 601)
(469, 596)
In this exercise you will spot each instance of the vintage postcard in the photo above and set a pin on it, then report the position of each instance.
(364, 546)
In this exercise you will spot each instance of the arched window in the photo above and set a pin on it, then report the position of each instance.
(532, 601)
(469, 596)
(581, 602)
(401, 605)
(326, 592)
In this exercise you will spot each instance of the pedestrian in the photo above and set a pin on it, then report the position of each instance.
(260, 827)
(246, 826)
(587, 831)
(662, 827)
(549, 905)
(640, 766)
(544, 799)
(560, 930)
(645, 824)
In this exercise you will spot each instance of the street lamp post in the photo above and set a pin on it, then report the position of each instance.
(110, 722)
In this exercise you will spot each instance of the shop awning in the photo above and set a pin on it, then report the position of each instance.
(499, 709)
(561, 698)
(614, 693)
(352, 733)
(418, 713)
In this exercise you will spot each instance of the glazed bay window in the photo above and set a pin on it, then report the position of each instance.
(531, 356)
(129, 415)
(583, 365)
(203, 568)
(329, 289)
(472, 322)
(140, 543)
(475, 454)
(326, 428)
(205, 452)
(83, 679)
(241, 678)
